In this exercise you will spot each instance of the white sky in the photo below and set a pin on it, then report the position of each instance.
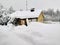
(38, 4)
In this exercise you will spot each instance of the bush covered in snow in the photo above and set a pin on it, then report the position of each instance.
(4, 18)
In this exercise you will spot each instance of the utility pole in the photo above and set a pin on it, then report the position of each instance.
(26, 5)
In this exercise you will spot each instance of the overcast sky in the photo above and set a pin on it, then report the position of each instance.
(38, 4)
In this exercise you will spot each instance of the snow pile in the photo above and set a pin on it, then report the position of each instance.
(4, 28)
(34, 34)
(8, 36)
(50, 32)
(20, 29)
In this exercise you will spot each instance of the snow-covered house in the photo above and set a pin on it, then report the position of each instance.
(24, 16)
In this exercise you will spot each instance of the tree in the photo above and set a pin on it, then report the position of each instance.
(1, 6)
(50, 12)
(11, 10)
(3, 16)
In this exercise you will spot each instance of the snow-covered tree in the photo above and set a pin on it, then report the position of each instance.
(3, 15)
(1, 6)
(50, 15)
(11, 10)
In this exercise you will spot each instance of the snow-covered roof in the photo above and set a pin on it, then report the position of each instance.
(25, 14)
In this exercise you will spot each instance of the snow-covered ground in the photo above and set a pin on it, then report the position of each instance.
(34, 34)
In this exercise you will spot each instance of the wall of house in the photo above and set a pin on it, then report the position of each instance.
(41, 17)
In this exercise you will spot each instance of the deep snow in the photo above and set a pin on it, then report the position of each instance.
(35, 33)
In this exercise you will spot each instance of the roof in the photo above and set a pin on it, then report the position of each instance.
(25, 14)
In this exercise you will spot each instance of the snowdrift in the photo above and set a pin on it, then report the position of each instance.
(34, 34)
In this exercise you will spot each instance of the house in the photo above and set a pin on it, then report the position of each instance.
(25, 16)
